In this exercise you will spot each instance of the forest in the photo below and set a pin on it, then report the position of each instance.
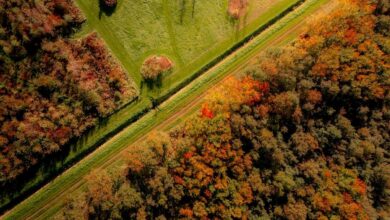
(52, 87)
(304, 135)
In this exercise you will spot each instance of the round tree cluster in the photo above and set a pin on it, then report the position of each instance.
(237, 8)
(155, 66)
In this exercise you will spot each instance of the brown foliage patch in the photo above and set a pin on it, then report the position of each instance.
(154, 66)
(237, 8)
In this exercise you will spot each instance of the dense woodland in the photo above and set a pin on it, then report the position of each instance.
(305, 135)
(52, 88)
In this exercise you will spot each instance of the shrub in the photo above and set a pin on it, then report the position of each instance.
(237, 8)
(155, 66)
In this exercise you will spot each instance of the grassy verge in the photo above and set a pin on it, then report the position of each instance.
(47, 201)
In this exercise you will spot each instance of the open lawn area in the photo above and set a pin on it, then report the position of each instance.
(190, 33)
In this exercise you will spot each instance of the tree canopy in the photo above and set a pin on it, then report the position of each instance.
(53, 88)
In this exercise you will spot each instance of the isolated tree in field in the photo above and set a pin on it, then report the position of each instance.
(237, 8)
(154, 66)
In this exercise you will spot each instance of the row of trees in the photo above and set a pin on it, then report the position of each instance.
(305, 137)
(55, 91)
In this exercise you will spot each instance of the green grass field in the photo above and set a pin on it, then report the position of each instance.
(191, 38)
(48, 201)
(137, 30)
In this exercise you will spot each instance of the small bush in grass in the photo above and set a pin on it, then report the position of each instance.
(155, 66)
(237, 8)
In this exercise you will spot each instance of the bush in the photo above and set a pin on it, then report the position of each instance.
(155, 66)
(237, 8)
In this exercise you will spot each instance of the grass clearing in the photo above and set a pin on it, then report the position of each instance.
(137, 30)
(49, 200)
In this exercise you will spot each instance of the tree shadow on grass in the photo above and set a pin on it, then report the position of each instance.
(239, 25)
(151, 84)
(183, 9)
(103, 8)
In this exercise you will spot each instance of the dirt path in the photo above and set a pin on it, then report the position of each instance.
(57, 201)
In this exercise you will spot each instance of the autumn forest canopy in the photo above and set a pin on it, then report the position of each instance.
(304, 134)
(52, 88)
